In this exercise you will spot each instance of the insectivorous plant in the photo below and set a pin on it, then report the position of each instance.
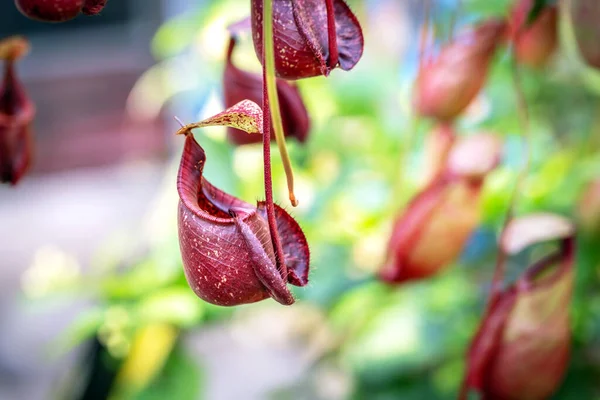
(58, 10)
(227, 248)
(16, 114)
(311, 37)
(446, 84)
(233, 252)
(434, 228)
(534, 41)
(521, 350)
(239, 85)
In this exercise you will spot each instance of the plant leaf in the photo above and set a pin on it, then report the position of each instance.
(535, 228)
(245, 115)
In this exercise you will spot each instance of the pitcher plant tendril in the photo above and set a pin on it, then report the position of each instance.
(523, 114)
(269, 203)
(269, 66)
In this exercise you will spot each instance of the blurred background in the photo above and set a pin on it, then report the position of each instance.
(93, 301)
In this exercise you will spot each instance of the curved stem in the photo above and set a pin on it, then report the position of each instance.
(271, 86)
(523, 113)
(277, 246)
(332, 35)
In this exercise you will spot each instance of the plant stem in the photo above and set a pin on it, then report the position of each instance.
(279, 255)
(332, 32)
(523, 114)
(271, 86)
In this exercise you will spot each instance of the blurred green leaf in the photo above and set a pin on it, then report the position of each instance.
(178, 306)
(181, 378)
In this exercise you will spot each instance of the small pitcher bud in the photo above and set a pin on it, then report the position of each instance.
(16, 115)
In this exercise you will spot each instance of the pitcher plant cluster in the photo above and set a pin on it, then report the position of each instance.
(233, 252)
(236, 253)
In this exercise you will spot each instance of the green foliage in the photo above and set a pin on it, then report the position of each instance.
(182, 379)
